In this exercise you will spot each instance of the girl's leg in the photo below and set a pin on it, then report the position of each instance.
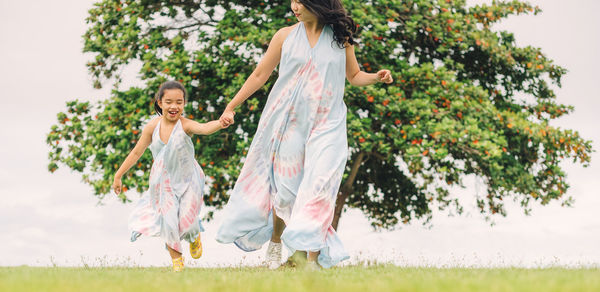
(176, 258)
(174, 254)
(278, 227)
(196, 247)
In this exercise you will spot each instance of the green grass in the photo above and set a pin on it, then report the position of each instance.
(375, 278)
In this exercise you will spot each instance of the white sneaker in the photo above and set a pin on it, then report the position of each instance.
(273, 257)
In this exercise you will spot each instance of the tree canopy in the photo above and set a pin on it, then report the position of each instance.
(467, 100)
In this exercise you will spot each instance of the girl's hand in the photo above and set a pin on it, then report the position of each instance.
(227, 118)
(384, 76)
(117, 185)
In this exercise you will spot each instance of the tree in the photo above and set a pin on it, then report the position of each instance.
(467, 101)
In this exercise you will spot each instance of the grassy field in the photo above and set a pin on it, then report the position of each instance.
(376, 278)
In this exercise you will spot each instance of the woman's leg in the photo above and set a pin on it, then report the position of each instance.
(278, 227)
(273, 257)
(313, 255)
(309, 226)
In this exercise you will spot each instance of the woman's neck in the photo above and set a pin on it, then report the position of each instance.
(313, 26)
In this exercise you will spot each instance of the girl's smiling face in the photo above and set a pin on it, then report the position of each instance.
(172, 104)
(301, 12)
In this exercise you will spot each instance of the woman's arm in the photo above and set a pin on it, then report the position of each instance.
(361, 78)
(193, 127)
(259, 76)
(134, 155)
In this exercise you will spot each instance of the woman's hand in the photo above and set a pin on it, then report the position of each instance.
(227, 118)
(117, 185)
(384, 76)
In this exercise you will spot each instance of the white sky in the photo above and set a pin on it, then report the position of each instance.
(53, 218)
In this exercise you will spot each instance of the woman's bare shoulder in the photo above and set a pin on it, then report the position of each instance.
(283, 32)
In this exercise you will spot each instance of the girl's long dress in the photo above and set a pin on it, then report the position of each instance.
(171, 206)
(297, 157)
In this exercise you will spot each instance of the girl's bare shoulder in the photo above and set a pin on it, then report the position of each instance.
(188, 124)
(149, 127)
(185, 122)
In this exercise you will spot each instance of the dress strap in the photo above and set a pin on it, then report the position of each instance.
(156, 130)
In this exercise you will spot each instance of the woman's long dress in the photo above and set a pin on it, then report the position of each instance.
(171, 206)
(297, 157)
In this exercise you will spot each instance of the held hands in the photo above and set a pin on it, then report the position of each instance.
(117, 186)
(227, 118)
(384, 76)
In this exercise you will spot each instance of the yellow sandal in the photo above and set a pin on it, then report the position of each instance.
(196, 248)
(178, 264)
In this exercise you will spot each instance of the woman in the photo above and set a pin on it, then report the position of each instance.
(287, 188)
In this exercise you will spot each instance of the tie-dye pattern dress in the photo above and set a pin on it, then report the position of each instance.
(298, 154)
(171, 206)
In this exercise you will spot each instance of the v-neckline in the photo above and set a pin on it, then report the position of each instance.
(170, 135)
(306, 36)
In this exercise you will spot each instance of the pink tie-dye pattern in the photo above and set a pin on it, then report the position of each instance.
(189, 217)
(255, 186)
(299, 152)
(162, 211)
(320, 210)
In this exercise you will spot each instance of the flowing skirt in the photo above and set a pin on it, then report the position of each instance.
(294, 166)
(163, 212)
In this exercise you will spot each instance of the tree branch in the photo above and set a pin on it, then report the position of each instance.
(377, 155)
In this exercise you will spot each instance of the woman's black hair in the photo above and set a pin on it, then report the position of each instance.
(332, 12)
(161, 91)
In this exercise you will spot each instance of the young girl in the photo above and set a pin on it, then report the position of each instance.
(288, 185)
(171, 206)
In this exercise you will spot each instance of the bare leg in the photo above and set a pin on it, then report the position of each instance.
(278, 227)
(299, 256)
(313, 255)
(273, 257)
(174, 254)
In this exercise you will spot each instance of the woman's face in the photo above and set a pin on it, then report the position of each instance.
(302, 13)
(172, 104)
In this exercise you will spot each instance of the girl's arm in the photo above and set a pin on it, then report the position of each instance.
(259, 76)
(361, 78)
(134, 155)
(193, 127)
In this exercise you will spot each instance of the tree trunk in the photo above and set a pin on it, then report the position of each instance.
(339, 207)
(346, 189)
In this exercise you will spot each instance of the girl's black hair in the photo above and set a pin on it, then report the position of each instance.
(161, 91)
(332, 12)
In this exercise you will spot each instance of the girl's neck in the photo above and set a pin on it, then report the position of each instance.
(313, 26)
(165, 121)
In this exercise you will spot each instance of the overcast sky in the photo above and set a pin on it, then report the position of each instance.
(54, 218)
